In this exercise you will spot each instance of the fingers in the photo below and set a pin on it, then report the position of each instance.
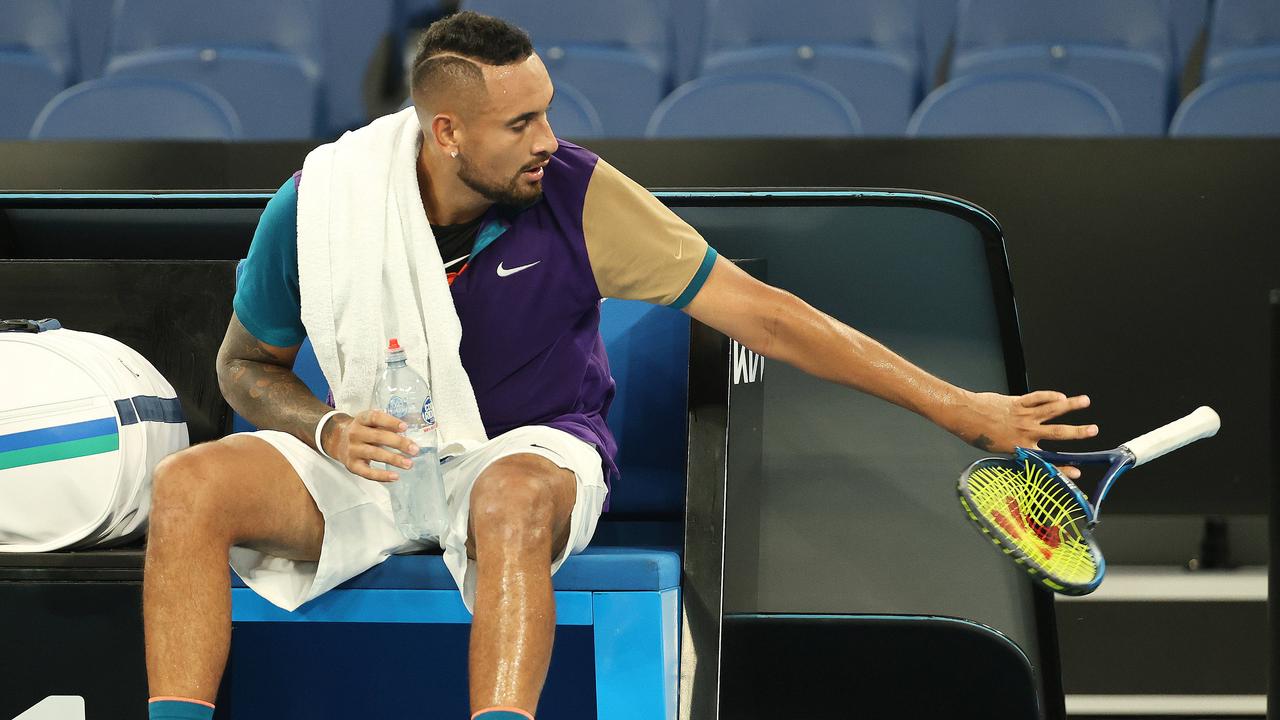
(1040, 397)
(380, 419)
(370, 435)
(373, 453)
(362, 468)
(1071, 473)
(1068, 432)
(374, 438)
(1063, 406)
(385, 439)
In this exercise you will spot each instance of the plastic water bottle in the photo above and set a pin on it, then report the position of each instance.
(417, 498)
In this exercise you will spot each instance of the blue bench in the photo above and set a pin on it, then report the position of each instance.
(625, 589)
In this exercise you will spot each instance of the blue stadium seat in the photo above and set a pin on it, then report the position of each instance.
(1044, 104)
(572, 115)
(755, 105)
(689, 23)
(1124, 49)
(137, 109)
(91, 23)
(648, 349)
(937, 28)
(1189, 19)
(868, 50)
(263, 57)
(351, 34)
(419, 12)
(35, 60)
(1244, 37)
(1231, 106)
(618, 53)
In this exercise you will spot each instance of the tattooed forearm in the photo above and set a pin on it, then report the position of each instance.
(258, 382)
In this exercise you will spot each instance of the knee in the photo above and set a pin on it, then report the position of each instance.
(514, 502)
(183, 488)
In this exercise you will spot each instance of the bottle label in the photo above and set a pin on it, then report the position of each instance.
(397, 407)
(428, 413)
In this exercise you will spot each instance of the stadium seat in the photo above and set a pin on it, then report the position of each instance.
(937, 28)
(91, 22)
(689, 23)
(1124, 49)
(419, 12)
(1042, 104)
(1244, 37)
(262, 57)
(1189, 19)
(35, 60)
(755, 105)
(1231, 106)
(868, 50)
(137, 109)
(351, 33)
(572, 115)
(618, 53)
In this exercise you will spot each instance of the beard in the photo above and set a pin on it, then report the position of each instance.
(511, 193)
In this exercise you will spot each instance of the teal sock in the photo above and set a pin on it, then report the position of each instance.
(178, 710)
(499, 715)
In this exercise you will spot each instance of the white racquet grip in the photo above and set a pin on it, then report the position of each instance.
(1202, 423)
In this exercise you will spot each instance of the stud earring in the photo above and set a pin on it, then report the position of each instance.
(453, 154)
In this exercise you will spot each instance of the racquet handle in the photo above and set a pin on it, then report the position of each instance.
(1202, 423)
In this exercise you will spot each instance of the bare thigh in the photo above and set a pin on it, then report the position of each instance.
(242, 491)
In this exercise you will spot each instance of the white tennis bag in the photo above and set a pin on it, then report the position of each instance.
(83, 421)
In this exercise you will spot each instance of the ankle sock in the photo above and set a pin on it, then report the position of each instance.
(502, 713)
(176, 708)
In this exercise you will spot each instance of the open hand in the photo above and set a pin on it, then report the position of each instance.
(999, 423)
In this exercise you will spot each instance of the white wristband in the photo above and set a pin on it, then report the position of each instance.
(319, 428)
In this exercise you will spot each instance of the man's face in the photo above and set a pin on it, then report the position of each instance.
(508, 141)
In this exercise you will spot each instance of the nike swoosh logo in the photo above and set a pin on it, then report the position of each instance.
(503, 272)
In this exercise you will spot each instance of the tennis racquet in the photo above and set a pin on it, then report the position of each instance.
(1042, 520)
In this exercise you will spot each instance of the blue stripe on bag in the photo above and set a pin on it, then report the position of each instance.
(148, 408)
(57, 434)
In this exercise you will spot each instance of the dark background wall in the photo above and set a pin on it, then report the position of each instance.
(1141, 267)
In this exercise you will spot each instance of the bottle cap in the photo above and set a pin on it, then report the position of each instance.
(393, 345)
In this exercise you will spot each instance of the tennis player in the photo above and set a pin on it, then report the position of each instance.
(532, 233)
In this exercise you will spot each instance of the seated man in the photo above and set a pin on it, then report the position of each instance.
(494, 253)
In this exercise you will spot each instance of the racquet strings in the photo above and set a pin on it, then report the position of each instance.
(1034, 512)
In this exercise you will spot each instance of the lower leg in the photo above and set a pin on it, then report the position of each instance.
(520, 512)
(513, 629)
(236, 491)
(186, 600)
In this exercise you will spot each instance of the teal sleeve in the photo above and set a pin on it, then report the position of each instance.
(268, 301)
(699, 279)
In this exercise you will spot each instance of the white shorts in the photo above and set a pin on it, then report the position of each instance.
(359, 529)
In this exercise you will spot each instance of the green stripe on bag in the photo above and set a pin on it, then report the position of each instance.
(59, 451)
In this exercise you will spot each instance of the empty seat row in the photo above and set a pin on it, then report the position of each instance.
(1027, 104)
(618, 54)
(728, 105)
(291, 68)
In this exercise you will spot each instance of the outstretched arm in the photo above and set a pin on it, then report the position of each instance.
(781, 326)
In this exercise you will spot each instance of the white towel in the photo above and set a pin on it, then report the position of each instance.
(368, 265)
